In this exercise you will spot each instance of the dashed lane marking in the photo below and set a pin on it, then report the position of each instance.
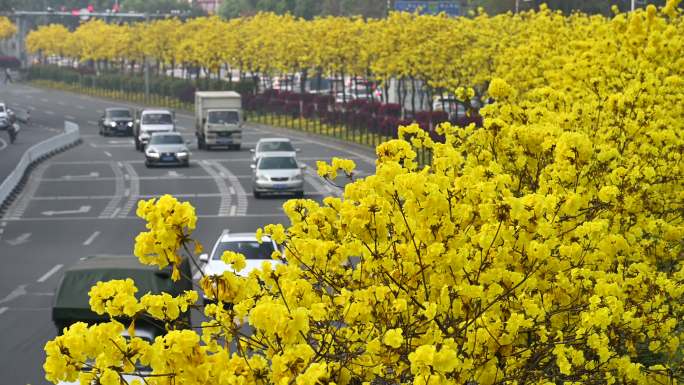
(3, 309)
(69, 117)
(109, 154)
(3, 144)
(92, 122)
(50, 273)
(91, 238)
(80, 107)
(49, 112)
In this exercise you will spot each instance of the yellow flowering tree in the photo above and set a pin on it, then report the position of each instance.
(543, 248)
(7, 28)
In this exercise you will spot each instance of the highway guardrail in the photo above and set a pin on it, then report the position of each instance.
(69, 137)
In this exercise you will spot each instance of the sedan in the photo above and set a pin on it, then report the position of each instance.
(116, 121)
(277, 173)
(269, 145)
(167, 148)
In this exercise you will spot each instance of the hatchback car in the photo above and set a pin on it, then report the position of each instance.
(277, 173)
(269, 145)
(167, 148)
(116, 121)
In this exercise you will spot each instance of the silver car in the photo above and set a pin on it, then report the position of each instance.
(167, 148)
(268, 145)
(277, 173)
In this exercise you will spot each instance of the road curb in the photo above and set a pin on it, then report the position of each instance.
(14, 182)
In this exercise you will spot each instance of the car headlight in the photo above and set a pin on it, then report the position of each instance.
(261, 178)
(130, 124)
(152, 153)
(112, 124)
(144, 135)
(182, 154)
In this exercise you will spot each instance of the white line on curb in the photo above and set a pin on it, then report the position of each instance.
(49, 273)
(91, 238)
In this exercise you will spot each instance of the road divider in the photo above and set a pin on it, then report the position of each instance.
(35, 153)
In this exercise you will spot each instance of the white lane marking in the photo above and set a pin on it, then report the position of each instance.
(224, 205)
(109, 154)
(49, 273)
(91, 238)
(44, 100)
(112, 208)
(80, 107)
(69, 117)
(91, 144)
(174, 174)
(232, 191)
(233, 210)
(80, 210)
(49, 112)
(16, 293)
(92, 122)
(23, 238)
(3, 224)
(61, 103)
(3, 144)
(93, 174)
(3, 309)
(134, 190)
(242, 201)
(127, 192)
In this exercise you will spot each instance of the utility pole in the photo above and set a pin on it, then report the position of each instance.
(146, 68)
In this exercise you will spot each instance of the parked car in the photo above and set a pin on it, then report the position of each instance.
(150, 121)
(71, 301)
(167, 148)
(266, 146)
(277, 173)
(244, 243)
(116, 121)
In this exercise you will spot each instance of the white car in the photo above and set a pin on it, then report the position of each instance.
(151, 121)
(167, 148)
(244, 243)
(269, 145)
(278, 173)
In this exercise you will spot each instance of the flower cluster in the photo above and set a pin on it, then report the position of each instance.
(544, 247)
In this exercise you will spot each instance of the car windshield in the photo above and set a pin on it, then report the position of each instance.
(275, 146)
(166, 139)
(277, 163)
(250, 249)
(157, 119)
(119, 114)
(223, 117)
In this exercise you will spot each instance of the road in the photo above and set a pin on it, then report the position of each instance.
(43, 126)
(82, 202)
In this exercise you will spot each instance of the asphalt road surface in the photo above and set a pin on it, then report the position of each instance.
(82, 202)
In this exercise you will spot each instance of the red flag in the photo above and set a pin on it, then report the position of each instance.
(91, 8)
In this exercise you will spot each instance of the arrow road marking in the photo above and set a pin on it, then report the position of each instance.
(93, 174)
(23, 238)
(81, 210)
(16, 293)
(174, 174)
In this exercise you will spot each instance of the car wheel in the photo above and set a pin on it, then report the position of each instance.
(137, 145)
(187, 163)
(256, 194)
(299, 194)
(147, 164)
(235, 147)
